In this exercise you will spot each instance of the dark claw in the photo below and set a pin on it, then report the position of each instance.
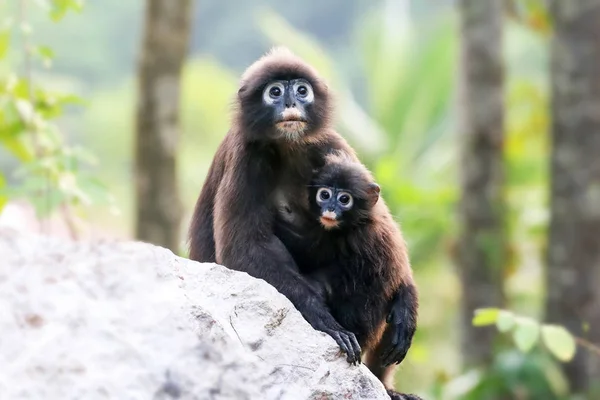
(324, 322)
(395, 356)
(343, 345)
(348, 344)
(357, 349)
(347, 347)
(354, 346)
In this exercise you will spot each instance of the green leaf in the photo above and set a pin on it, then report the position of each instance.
(11, 124)
(19, 148)
(4, 43)
(559, 341)
(485, 316)
(526, 334)
(505, 321)
(61, 7)
(46, 54)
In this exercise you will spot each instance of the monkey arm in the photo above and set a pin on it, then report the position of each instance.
(245, 241)
(269, 260)
(201, 232)
(403, 320)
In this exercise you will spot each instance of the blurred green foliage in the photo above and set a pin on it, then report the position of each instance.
(51, 175)
(512, 375)
(527, 332)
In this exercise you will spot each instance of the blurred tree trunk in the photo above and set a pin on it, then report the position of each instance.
(481, 246)
(163, 51)
(573, 275)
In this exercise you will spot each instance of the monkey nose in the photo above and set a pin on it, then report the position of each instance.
(329, 214)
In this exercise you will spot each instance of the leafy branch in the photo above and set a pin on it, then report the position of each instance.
(526, 333)
(50, 174)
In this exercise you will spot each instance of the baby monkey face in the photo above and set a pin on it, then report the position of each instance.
(333, 203)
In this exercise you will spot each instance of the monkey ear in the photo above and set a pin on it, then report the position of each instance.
(373, 191)
(242, 89)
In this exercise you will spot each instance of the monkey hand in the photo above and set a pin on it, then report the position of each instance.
(322, 320)
(402, 328)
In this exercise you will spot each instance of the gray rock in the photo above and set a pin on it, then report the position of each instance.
(127, 320)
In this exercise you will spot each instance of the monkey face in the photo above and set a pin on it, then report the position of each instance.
(289, 101)
(342, 195)
(333, 204)
(282, 99)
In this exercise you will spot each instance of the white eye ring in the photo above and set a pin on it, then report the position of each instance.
(350, 202)
(324, 191)
(267, 98)
(309, 96)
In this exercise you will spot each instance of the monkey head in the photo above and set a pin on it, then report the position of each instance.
(282, 98)
(343, 195)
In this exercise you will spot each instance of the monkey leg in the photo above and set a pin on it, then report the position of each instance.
(373, 360)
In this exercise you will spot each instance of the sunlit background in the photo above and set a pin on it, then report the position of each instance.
(394, 66)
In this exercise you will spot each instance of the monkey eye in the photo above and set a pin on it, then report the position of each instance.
(323, 194)
(275, 92)
(272, 92)
(304, 91)
(345, 199)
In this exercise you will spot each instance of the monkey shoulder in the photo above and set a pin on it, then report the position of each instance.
(329, 143)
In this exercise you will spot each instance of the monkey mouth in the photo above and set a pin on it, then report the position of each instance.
(291, 120)
(328, 220)
(292, 129)
(290, 123)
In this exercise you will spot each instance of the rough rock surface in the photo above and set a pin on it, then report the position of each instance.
(127, 320)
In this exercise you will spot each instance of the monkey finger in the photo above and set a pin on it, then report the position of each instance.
(398, 318)
(400, 357)
(389, 360)
(390, 356)
(395, 356)
(355, 346)
(344, 344)
(393, 345)
(385, 355)
(356, 349)
(349, 350)
(396, 337)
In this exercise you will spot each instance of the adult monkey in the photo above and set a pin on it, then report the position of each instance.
(280, 134)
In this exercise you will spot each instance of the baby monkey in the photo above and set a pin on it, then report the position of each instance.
(356, 256)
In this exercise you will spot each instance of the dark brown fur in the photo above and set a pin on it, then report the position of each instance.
(257, 176)
(362, 266)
